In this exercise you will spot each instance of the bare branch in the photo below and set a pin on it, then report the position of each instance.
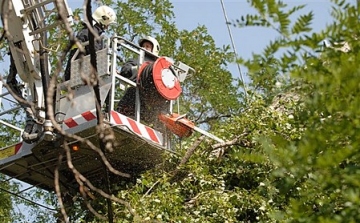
(58, 191)
(93, 188)
(208, 119)
(219, 149)
(148, 191)
(187, 156)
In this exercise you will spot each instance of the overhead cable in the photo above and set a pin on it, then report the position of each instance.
(233, 46)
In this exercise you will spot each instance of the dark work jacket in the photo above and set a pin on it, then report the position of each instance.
(83, 36)
(152, 103)
(128, 71)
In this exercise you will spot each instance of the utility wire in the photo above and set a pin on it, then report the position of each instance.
(233, 46)
(30, 201)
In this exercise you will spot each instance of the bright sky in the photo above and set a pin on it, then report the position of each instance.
(189, 14)
(210, 13)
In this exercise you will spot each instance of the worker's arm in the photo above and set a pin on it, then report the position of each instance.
(130, 69)
(83, 36)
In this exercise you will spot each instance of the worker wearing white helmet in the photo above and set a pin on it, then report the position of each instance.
(150, 44)
(129, 70)
(103, 16)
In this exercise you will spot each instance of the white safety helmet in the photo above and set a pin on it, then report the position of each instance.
(155, 43)
(104, 15)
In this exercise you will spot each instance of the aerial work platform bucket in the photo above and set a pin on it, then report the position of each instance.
(137, 148)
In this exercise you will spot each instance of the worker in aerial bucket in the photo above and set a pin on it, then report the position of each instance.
(103, 17)
(130, 68)
(150, 100)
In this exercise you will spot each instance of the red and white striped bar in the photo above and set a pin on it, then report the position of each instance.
(79, 119)
(136, 127)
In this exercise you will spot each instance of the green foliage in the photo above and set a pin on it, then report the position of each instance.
(209, 92)
(302, 24)
(235, 187)
(284, 53)
(9, 135)
(5, 200)
(142, 17)
(315, 171)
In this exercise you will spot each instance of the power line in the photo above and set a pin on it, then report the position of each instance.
(30, 201)
(233, 46)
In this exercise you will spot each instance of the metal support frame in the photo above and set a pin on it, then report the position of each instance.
(181, 69)
(8, 109)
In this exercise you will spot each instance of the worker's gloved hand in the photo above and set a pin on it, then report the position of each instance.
(134, 71)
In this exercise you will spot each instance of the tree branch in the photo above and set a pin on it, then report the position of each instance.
(187, 156)
(220, 148)
(206, 120)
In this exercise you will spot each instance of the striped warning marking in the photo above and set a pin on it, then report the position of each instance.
(136, 127)
(79, 119)
(10, 151)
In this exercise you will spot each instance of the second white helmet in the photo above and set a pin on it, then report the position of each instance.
(155, 43)
(104, 15)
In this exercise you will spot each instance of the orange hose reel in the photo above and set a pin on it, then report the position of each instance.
(167, 84)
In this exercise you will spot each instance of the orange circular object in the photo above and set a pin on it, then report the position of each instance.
(75, 147)
(165, 81)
